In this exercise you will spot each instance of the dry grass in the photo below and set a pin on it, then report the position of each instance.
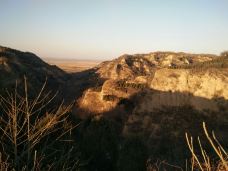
(33, 137)
(198, 162)
(203, 161)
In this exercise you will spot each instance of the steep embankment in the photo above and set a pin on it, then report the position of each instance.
(160, 96)
(163, 84)
(14, 65)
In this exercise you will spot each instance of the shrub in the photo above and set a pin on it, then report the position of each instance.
(218, 62)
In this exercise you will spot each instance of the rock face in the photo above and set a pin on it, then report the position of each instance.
(125, 66)
(157, 75)
(208, 84)
(130, 66)
(161, 94)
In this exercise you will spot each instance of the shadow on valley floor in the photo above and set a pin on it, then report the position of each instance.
(78, 82)
(158, 121)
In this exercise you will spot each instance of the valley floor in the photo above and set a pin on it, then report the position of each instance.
(73, 65)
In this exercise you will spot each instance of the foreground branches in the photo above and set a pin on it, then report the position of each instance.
(33, 135)
(204, 162)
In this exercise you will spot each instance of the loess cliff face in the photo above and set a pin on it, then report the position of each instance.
(208, 83)
(158, 80)
(160, 93)
(199, 89)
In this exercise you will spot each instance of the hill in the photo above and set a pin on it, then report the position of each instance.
(135, 107)
(143, 64)
(14, 65)
(198, 75)
(160, 96)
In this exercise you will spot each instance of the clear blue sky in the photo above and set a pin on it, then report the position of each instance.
(105, 29)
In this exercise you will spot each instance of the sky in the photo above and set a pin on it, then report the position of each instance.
(106, 29)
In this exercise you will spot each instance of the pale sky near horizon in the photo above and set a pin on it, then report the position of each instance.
(105, 29)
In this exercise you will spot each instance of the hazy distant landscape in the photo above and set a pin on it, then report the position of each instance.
(72, 65)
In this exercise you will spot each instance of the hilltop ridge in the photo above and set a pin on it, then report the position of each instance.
(143, 64)
(163, 71)
(14, 65)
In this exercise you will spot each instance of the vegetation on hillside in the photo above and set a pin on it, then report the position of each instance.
(125, 84)
(217, 62)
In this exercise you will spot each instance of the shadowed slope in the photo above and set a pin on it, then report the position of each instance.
(14, 65)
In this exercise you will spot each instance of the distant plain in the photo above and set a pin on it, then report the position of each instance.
(73, 65)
